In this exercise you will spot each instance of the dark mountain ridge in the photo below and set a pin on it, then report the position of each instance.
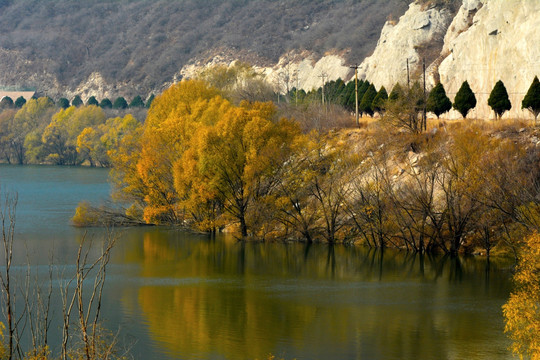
(139, 45)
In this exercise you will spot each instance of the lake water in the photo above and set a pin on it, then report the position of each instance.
(176, 295)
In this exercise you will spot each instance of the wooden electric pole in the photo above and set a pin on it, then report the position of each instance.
(355, 67)
(408, 77)
(424, 115)
(323, 76)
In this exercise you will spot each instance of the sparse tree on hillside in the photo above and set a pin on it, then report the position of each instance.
(136, 102)
(464, 100)
(498, 99)
(92, 101)
(120, 103)
(437, 102)
(106, 104)
(77, 101)
(403, 111)
(379, 102)
(367, 100)
(63, 103)
(531, 101)
(19, 103)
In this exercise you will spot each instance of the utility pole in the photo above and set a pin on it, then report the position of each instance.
(424, 115)
(408, 77)
(355, 67)
(324, 76)
(296, 92)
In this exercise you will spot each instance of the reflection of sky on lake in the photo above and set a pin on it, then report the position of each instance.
(48, 195)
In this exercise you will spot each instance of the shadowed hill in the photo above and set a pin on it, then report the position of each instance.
(140, 44)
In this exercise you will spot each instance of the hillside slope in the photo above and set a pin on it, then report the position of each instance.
(128, 47)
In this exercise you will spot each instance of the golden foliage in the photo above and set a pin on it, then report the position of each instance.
(200, 160)
(83, 215)
(522, 311)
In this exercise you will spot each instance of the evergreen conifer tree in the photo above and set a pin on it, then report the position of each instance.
(19, 102)
(149, 101)
(62, 103)
(136, 102)
(396, 92)
(498, 99)
(464, 100)
(120, 103)
(531, 101)
(92, 101)
(77, 101)
(362, 88)
(379, 102)
(367, 100)
(437, 102)
(6, 103)
(105, 104)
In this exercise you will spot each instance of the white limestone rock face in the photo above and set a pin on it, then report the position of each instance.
(399, 42)
(501, 44)
(306, 72)
(299, 69)
(462, 21)
(95, 85)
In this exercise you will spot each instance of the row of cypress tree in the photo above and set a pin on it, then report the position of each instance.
(371, 100)
(119, 103)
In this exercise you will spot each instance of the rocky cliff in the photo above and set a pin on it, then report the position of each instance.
(485, 41)
(501, 44)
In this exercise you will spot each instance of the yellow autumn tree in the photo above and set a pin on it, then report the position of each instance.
(522, 311)
(60, 136)
(144, 166)
(95, 143)
(27, 126)
(237, 160)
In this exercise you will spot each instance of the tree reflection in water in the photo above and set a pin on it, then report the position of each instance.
(220, 298)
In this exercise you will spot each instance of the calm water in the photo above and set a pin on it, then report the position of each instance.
(174, 295)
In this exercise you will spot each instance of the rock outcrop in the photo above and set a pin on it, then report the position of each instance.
(417, 31)
(300, 69)
(501, 44)
(486, 41)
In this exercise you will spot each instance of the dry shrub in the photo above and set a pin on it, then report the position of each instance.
(315, 116)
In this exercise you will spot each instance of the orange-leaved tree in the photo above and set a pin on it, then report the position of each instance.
(236, 163)
(144, 165)
(522, 311)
